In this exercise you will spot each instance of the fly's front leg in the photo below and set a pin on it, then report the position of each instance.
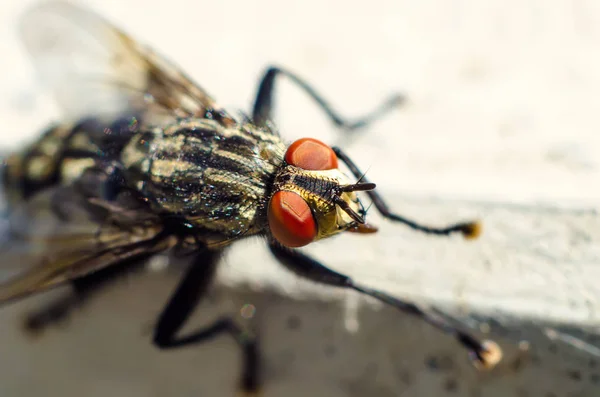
(469, 230)
(180, 306)
(485, 354)
(263, 103)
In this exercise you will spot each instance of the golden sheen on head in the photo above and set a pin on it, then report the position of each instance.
(299, 216)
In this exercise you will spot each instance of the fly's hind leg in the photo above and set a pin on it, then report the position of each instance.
(180, 306)
(83, 289)
(263, 104)
(108, 182)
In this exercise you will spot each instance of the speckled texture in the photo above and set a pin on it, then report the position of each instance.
(501, 123)
(104, 349)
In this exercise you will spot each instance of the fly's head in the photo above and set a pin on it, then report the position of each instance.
(312, 198)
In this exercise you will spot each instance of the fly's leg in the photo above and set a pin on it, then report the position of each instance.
(261, 114)
(263, 103)
(83, 289)
(485, 354)
(180, 306)
(469, 230)
(107, 184)
(54, 313)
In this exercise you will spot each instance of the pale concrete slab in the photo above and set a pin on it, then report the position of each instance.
(501, 124)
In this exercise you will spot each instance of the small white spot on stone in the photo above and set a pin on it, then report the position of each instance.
(351, 304)
(158, 263)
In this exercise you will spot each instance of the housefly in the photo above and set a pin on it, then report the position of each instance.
(147, 162)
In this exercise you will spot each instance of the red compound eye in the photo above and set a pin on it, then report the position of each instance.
(310, 154)
(291, 220)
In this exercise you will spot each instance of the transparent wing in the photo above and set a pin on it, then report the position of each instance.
(69, 231)
(93, 68)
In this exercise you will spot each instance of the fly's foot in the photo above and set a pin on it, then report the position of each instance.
(487, 358)
(249, 393)
(471, 230)
(57, 313)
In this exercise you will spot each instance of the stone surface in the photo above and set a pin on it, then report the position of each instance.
(501, 124)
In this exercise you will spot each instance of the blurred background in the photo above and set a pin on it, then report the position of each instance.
(501, 124)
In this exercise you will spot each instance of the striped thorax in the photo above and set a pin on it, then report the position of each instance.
(224, 179)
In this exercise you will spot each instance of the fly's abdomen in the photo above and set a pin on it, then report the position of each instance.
(61, 155)
(42, 164)
(217, 178)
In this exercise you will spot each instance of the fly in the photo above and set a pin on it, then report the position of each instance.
(147, 162)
